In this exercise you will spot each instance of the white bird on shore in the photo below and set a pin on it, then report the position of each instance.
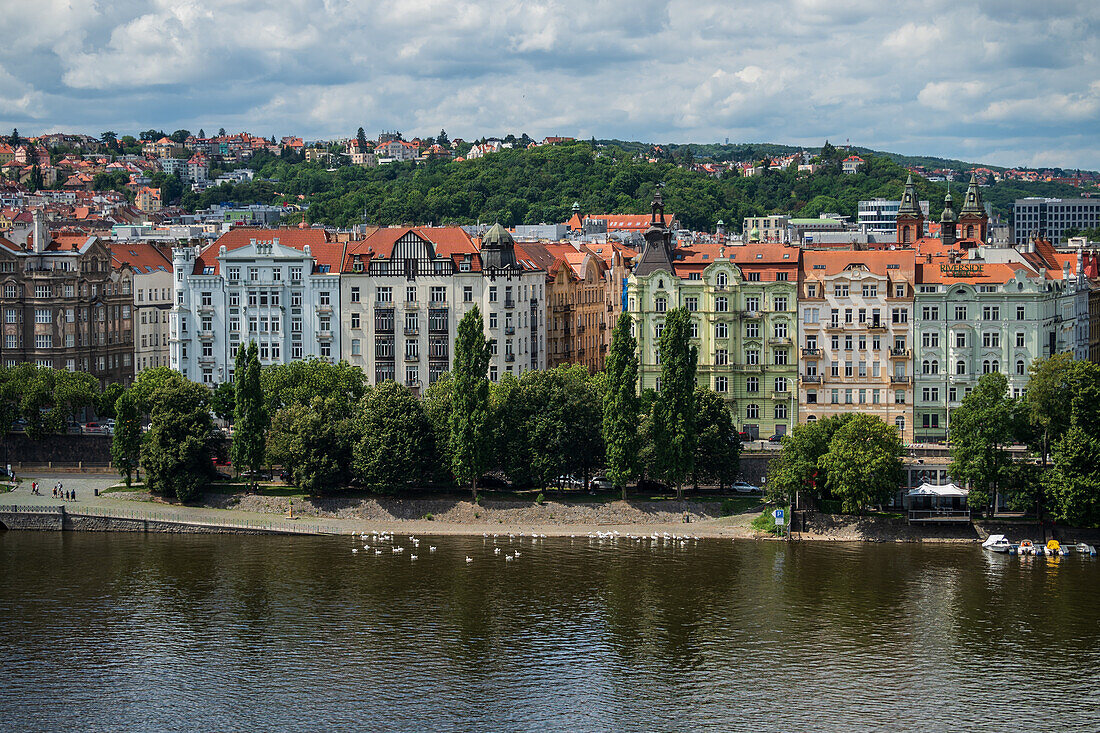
(354, 550)
(509, 557)
(496, 550)
(377, 552)
(469, 559)
(398, 549)
(431, 548)
(517, 553)
(412, 557)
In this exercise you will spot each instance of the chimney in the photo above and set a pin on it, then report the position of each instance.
(1080, 263)
(39, 232)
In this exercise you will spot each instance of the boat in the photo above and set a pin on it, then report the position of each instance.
(1054, 548)
(997, 543)
(1084, 549)
(1027, 547)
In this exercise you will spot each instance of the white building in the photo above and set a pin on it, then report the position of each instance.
(405, 290)
(880, 216)
(277, 287)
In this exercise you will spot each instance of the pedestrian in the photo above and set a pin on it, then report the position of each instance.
(55, 491)
(73, 492)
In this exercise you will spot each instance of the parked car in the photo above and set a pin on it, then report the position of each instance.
(777, 438)
(494, 481)
(649, 484)
(220, 476)
(19, 425)
(601, 482)
(73, 427)
(746, 437)
(744, 487)
(94, 428)
(566, 481)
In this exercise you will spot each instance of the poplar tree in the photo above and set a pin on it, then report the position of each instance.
(249, 416)
(620, 406)
(126, 439)
(470, 412)
(674, 426)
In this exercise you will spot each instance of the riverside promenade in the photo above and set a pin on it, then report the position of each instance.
(138, 516)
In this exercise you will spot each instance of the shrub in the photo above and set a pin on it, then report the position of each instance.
(429, 516)
(540, 499)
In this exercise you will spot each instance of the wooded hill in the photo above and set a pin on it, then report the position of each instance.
(540, 185)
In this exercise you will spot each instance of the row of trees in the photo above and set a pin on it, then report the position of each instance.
(328, 428)
(1057, 419)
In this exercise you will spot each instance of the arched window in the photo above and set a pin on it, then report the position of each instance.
(960, 367)
(926, 367)
(935, 367)
(899, 422)
(985, 366)
(811, 418)
(752, 412)
(969, 231)
(1020, 367)
(996, 366)
(906, 235)
(721, 280)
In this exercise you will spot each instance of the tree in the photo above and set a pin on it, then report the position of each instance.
(126, 439)
(151, 381)
(717, 445)
(202, 133)
(1074, 481)
(175, 453)
(313, 443)
(35, 182)
(13, 140)
(469, 417)
(105, 401)
(179, 136)
(300, 381)
(361, 138)
(249, 416)
(981, 431)
(863, 463)
(1049, 382)
(674, 421)
(396, 446)
(109, 138)
(442, 138)
(223, 401)
(620, 406)
(798, 468)
(438, 404)
(221, 132)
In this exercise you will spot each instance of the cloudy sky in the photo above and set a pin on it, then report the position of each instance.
(1009, 82)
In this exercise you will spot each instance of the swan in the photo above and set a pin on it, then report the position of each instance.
(431, 548)
(517, 553)
(469, 559)
(354, 550)
(509, 557)
(377, 552)
(412, 557)
(496, 550)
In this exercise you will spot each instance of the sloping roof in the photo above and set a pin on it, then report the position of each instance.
(452, 242)
(993, 273)
(144, 257)
(817, 263)
(295, 238)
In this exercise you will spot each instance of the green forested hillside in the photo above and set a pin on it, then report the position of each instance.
(540, 185)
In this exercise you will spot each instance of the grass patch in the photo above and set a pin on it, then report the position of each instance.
(429, 516)
(738, 505)
(766, 522)
(124, 489)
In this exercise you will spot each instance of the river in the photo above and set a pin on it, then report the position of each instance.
(197, 633)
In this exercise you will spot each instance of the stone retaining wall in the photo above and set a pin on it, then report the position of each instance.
(68, 522)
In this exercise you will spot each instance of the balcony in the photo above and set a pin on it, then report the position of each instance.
(896, 379)
(752, 314)
(411, 330)
(412, 305)
(876, 326)
(580, 329)
(509, 357)
(811, 379)
(561, 308)
(438, 304)
(205, 309)
(324, 309)
(509, 330)
(206, 359)
(324, 335)
(833, 326)
(899, 353)
(383, 304)
(781, 395)
(748, 368)
(779, 341)
(412, 357)
(811, 353)
(206, 335)
(509, 303)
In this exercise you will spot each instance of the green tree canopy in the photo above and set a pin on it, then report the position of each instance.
(313, 443)
(470, 400)
(799, 467)
(863, 464)
(981, 432)
(717, 445)
(300, 381)
(396, 443)
(175, 453)
(620, 406)
(126, 439)
(674, 415)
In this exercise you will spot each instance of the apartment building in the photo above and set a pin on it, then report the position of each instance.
(579, 306)
(152, 299)
(744, 320)
(856, 335)
(64, 306)
(1050, 218)
(277, 287)
(404, 291)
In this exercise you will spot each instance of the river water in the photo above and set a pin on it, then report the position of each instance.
(201, 633)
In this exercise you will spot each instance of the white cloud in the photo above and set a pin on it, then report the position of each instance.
(956, 79)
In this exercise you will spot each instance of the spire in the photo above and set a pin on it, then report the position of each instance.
(657, 254)
(909, 203)
(973, 204)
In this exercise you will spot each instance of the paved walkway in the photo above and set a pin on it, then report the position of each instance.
(113, 505)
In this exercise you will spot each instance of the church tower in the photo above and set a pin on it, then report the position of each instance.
(948, 221)
(657, 254)
(910, 217)
(973, 221)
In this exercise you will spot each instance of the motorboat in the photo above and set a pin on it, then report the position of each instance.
(1027, 547)
(1084, 549)
(997, 543)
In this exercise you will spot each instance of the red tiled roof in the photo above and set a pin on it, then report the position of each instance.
(876, 261)
(295, 238)
(144, 257)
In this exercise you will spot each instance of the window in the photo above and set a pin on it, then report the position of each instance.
(492, 293)
(930, 420)
(660, 305)
(780, 384)
(721, 357)
(721, 304)
(899, 291)
(780, 411)
(870, 290)
(752, 330)
(960, 313)
(467, 294)
(295, 274)
(811, 397)
(752, 304)
(930, 339)
(721, 330)
(781, 277)
(899, 423)
(1020, 368)
(385, 295)
(752, 357)
(840, 291)
(438, 294)
(410, 293)
(899, 315)
(930, 313)
(847, 343)
(41, 315)
(355, 294)
(1019, 339)
(1019, 313)
(960, 367)
(355, 320)
(960, 340)
(253, 274)
(991, 313)
(899, 397)
(721, 280)
(692, 304)
(834, 398)
(780, 356)
(991, 339)
(324, 298)
(811, 290)
(752, 277)
(721, 384)
(752, 385)
(752, 412)
(781, 303)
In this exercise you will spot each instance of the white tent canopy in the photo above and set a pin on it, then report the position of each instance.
(930, 490)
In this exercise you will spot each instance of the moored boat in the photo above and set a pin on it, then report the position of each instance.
(997, 543)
